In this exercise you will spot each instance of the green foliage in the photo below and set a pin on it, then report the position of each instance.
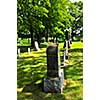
(76, 11)
(44, 18)
(30, 14)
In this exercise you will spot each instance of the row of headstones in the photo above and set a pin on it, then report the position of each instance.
(36, 47)
(18, 51)
(54, 80)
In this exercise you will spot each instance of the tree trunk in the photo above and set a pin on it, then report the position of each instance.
(32, 40)
(72, 36)
(46, 35)
(28, 40)
(68, 44)
(38, 38)
(53, 39)
(56, 39)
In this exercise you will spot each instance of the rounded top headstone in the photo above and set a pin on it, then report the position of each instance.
(52, 49)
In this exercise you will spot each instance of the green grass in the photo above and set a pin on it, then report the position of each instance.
(74, 73)
(31, 69)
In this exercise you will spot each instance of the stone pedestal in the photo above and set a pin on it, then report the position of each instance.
(54, 85)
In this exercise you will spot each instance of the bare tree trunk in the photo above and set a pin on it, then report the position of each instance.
(38, 38)
(32, 38)
(46, 35)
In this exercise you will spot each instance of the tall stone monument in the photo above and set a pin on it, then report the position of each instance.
(54, 80)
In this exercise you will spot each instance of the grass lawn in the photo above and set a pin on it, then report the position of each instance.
(31, 69)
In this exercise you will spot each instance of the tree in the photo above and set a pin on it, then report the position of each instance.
(76, 10)
(30, 14)
(58, 18)
(48, 18)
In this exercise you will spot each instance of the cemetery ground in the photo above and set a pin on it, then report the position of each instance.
(31, 69)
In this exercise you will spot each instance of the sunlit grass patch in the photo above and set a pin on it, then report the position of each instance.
(78, 44)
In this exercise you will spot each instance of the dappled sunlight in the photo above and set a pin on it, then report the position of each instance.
(31, 69)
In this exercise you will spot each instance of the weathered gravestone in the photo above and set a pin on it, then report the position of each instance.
(66, 50)
(53, 82)
(36, 45)
(18, 52)
(66, 54)
(28, 51)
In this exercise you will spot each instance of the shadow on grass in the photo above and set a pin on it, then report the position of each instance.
(30, 70)
(76, 50)
(36, 90)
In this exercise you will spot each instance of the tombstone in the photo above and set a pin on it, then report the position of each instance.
(28, 51)
(36, 45)
(18, 52)
(53, 82)
(53, 61)
(66, 51)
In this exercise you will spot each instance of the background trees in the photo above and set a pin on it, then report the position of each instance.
(48, 18)
(76, 10)
(30, 15)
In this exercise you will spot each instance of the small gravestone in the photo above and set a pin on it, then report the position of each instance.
(53, 82)
(18, 52)
(36, 45)
(28, 51)
(55, 40)
(66, 51)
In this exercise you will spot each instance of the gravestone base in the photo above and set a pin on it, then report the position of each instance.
(54, 85)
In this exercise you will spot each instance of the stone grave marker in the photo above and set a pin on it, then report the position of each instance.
(36, 45)
(53, 82)
(66, 51)
(18, 52)
(28, 51)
